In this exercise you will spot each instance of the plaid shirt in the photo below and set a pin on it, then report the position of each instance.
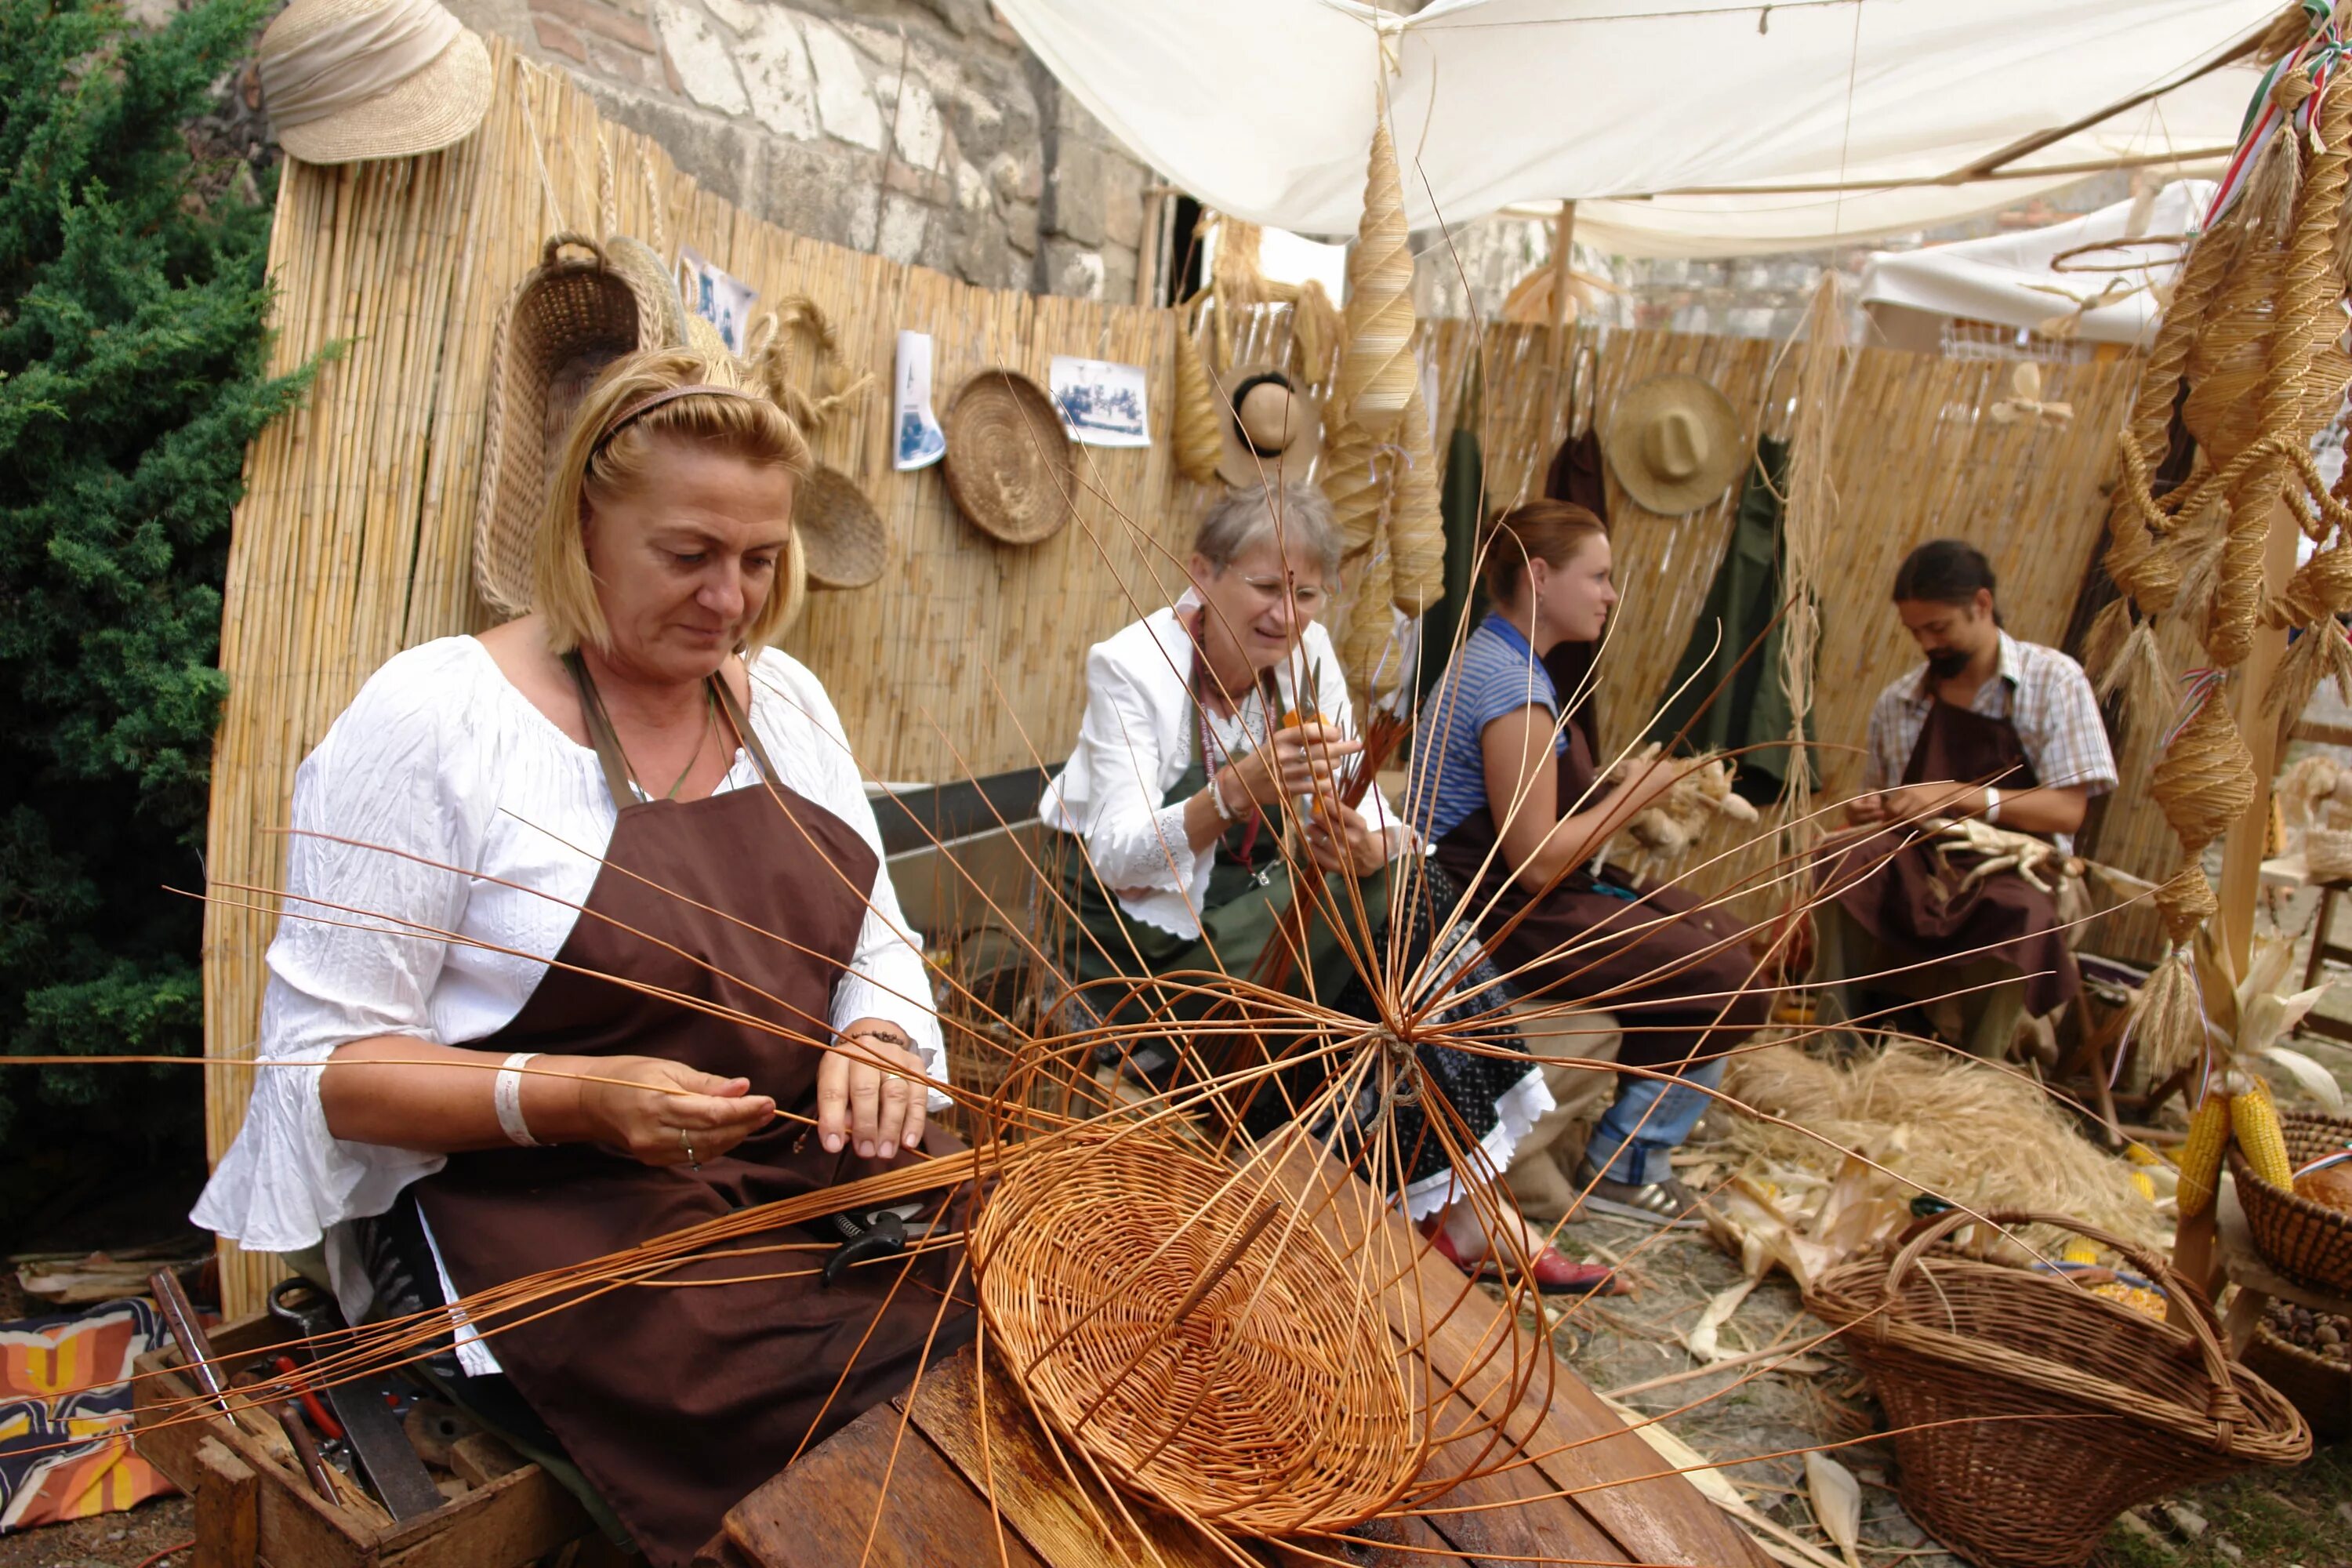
(2041, 691)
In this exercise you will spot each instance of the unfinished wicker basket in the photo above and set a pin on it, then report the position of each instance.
(2328, 854)
(570, 317)
(2029, 1413)
(2307, 1240)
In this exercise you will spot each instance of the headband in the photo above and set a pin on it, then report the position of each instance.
(647, 405)
(350, 62)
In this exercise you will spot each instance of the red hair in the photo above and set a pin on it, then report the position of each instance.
(1550, 531)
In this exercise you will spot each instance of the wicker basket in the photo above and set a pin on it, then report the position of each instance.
(2328, 854)
(2027, 1412)
(2320, 1388)
(2307, 1240)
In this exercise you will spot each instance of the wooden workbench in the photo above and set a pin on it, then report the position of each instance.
(1592, 1491)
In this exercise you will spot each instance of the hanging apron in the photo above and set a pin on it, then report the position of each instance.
(1896, 886)
(1674, 975)
(677, 1402)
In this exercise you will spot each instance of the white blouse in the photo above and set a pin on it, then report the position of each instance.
(1137, 738)
(440, 758)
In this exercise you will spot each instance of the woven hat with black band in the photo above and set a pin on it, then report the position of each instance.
(1009, 464)
(1273, 429)
(348, 79)
(1673, 443)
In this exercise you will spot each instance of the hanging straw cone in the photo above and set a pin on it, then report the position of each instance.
(1416, 529)
(2205, 779)
(1355, 478)
(1366, 637)
(1377, 373)
(1200, 424)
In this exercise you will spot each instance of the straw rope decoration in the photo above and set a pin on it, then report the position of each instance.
(1261, 1279)
(1198, 423)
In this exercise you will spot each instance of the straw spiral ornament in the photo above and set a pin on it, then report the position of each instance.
(1198, 423)
(1377, 373)
(2204, 781)
(1356, 481)
(1416, 526)
(1192, 1332)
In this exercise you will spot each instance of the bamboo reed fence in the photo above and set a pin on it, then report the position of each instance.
(356, 537)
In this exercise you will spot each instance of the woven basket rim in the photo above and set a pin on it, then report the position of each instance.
(2271, 1339)
(2337, 1220)
(1002, 382)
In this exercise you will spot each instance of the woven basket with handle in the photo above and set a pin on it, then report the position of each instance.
(2028, 1413)
(2308, 1240)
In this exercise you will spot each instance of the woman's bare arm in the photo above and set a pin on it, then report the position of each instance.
(1522, 773)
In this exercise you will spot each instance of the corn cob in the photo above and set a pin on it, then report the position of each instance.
(2144, 1184)
(2255, 1119)
(2201, 1157)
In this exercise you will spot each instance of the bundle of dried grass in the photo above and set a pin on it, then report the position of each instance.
(1962, 1128)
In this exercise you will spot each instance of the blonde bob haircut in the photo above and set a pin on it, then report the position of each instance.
(598, 460)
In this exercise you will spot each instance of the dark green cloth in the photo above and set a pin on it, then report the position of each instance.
(1730, 694)
(1458, 503)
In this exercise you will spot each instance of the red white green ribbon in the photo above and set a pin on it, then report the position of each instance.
(2323, 51)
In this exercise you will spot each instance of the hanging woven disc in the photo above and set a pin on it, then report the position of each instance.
(1009, 464)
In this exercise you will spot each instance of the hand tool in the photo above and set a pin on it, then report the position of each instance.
(314, 1464)
(391, 1466)
(195, 1346)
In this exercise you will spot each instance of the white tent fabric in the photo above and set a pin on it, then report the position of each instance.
(2006, 278)
(1264, 107)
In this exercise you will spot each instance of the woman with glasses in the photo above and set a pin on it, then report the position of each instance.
(1210, 727)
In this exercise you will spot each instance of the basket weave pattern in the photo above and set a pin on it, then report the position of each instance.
(2308, 1240)
(2063, 1408)
(1009, 465)
(1271, 1404)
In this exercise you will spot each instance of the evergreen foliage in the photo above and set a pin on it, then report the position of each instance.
(133, 311)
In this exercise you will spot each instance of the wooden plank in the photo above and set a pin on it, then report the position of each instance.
(819, 1513)
(227, 1513)
(517, 1517)
(1511, 1513)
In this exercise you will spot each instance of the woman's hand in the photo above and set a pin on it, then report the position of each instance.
(1641, 783)
(659, 1128)
(871, 1087)
(1302, 760)
(1358, 847)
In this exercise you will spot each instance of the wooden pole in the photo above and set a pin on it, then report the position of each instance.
(2241, 850)
(1563, 245)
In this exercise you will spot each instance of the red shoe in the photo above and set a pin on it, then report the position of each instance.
(1555, 1274)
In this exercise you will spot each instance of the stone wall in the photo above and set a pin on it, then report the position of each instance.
(921, 130)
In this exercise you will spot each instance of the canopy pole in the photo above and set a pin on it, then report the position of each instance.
(1563, 244)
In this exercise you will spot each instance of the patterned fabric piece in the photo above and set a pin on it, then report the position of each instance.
(1496, 674)
(2041, 691)
(65, 1415)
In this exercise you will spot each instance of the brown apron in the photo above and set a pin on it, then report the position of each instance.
(1891, 882)
(1674, 977)
(676, 1402)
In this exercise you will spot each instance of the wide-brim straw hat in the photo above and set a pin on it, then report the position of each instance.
(339, 64)
(1673, 443)
(846, 544)
(1009, 464)
(569, 318)
(1272, 426)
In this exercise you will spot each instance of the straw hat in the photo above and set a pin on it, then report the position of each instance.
(1009, 464)
(347, 79)
(1674, 442)
(1273, 428)
(569, 318)
(846, 544)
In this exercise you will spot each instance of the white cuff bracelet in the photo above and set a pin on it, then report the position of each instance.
(506, 1094)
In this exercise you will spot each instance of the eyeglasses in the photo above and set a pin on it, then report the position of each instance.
(1269, 590)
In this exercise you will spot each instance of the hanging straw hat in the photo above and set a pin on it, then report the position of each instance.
(847, 543)
(347, 79)
(569, 318)
(1273, 428)
(1009, 464)
(847, 546)
(1674, 442)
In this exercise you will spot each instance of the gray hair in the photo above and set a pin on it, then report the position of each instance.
(1298, 512)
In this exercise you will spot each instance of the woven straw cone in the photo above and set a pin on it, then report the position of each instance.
(1275, 1406)
(1364, 638)
(1199, 423)
(1356, 481)
(1377, 373)
(1009, 464)
(2205, 780)
(1416, 526)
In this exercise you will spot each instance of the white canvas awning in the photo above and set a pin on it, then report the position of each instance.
(1680, 127)
(2008, 280)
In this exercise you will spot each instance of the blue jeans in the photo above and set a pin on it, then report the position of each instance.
(1650, 1118)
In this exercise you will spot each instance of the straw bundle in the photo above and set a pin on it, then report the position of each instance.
(1137, 1285)
(1199, 423)
(1317, 329)
(1377, 374)
(1416, 529)
(1812, 515)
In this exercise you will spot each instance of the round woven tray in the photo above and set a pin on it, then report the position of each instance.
(2307, 1240)
(1009, 464)
(2028, 1413)
(1271, 1403)
(847, 545)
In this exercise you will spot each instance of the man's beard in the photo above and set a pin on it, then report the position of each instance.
(1946, 663)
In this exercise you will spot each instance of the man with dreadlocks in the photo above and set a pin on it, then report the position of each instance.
(1990, 729)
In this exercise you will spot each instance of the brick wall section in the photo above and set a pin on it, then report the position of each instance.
(921, 130)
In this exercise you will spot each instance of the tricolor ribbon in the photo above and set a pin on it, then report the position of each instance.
(2198, 688)
(2323, 51)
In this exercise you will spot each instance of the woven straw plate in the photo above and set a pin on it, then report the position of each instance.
(1010, 464)
(569, 318)
(1266, 1399)
(847, 545)
(2307, 1240)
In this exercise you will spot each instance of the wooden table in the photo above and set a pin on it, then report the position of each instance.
(1590, 1491)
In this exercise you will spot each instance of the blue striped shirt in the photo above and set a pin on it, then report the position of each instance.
(1496, 674)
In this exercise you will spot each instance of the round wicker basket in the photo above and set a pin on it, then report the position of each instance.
(2307, 1240)
(2028, 1412)
(2320, 1388)
(1200, 1341)
(1009, 465)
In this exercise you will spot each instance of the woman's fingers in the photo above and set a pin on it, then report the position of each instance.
(833, 1101)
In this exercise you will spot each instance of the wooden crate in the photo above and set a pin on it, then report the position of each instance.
(250, 1509)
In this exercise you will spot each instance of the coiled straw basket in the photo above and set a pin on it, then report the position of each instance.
(2308, 1240)
(1197, 1338)
(2027, 1412)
